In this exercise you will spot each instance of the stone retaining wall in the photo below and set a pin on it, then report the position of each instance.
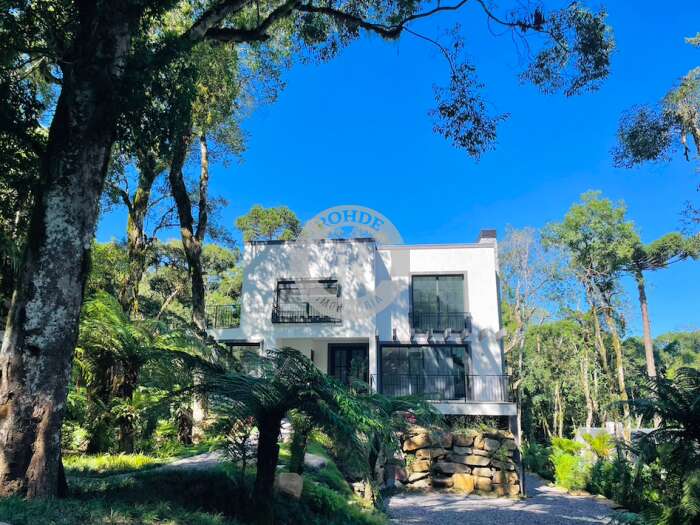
(467, 461)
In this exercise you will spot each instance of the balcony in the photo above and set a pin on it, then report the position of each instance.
(303, 313)
(223, 316)
(425, 322)
(446, 387)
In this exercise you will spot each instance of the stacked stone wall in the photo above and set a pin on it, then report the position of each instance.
(467, 461)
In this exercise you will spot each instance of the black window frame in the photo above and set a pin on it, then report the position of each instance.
(308, 313)
(439, 321)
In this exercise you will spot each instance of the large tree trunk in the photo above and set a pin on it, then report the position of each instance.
(646, 325)
(192, 243)
(268, 454)
(42, 326)
(137, 243)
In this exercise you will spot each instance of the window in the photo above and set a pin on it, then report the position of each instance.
(438, 303)
(307, 301)
(436, 372)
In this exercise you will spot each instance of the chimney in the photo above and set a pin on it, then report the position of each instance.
(487, 236)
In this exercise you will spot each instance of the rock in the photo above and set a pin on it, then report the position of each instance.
(506, 490)
(504, 476)
(462, 440)
(509, 444)
(479, 441)
(430, 453)
(444, 483)
(503, 465)
(415, 430)
(483, 472)
(478, 452)
(483, 484)
(438, 452)
(314, 462)
(477, 461)
(446, 440)
(462, 450)
(290, 484)
(421, 484)
(417, 476)
(416, 442)
(450, 468)
(420, 465)
(457, 458)
(463, 483)
(491, 444)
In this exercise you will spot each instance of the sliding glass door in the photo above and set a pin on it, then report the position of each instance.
(433, 372)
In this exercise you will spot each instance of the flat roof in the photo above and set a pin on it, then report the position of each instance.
(489, 243)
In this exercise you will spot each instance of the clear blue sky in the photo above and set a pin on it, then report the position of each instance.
(355, 130)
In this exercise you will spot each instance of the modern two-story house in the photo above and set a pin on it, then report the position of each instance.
(406, 319)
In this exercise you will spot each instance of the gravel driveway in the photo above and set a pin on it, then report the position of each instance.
(544, 506)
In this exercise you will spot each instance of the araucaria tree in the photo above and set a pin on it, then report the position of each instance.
(100, 56)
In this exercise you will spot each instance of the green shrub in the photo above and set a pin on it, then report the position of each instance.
(567, 446)
(536, 459)
(602, 444)
(570, 471)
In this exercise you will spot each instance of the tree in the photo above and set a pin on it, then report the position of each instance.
(599, 241)
(654, 256)
(526, 275)
(100, 56)
(649, 133)
(269, 224)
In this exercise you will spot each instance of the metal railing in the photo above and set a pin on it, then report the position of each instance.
(223, 316)
(438, 321)
(303, 313)
(445, 387)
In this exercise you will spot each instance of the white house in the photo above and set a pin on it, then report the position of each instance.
(407, 319)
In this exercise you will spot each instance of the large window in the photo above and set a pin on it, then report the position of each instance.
(435, 372)
(307, 301)
(438, 303)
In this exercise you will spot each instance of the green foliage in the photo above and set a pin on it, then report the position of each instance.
(109, 464)
(570, 471)
(620, 481)
(602, 444)
(654, 133)
(269, 224)
(536, 459)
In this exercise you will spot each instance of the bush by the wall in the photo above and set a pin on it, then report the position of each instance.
(570, 471)
(536, 459)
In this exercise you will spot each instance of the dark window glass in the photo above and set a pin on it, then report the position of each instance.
(438, 302)
(302, 301)
(434, 372)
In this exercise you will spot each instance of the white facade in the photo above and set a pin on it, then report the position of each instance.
(393, 339)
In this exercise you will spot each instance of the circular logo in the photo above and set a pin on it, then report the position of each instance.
(347, 279)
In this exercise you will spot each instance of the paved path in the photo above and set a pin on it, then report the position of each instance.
(544, 506)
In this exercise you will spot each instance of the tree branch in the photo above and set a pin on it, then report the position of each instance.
(212, 17)
(259, 33)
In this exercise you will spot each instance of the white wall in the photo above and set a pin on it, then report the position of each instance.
(478, 264)
(361, 268)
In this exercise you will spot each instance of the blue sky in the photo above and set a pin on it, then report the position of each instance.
(355, 130)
